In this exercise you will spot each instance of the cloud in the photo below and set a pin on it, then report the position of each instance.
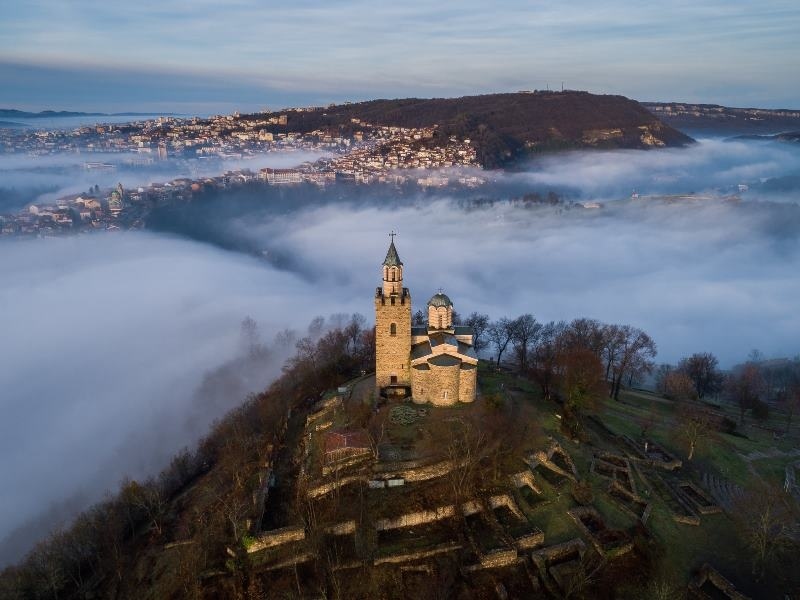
(708, 165)
(243, 51)
(106, 339)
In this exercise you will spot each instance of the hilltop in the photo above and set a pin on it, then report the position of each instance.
(506, 127)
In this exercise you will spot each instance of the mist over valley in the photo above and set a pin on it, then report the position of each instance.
(108, 336)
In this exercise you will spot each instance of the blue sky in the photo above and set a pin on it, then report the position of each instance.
(203, 56)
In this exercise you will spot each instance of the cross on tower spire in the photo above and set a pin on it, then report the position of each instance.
(392, 234)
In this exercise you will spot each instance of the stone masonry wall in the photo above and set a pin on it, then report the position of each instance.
(277, 537)
(468, 376)
(444, 379)
(392, 352)
(417, 518)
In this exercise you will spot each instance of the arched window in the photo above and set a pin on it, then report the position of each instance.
(393, 329)
(441, 323)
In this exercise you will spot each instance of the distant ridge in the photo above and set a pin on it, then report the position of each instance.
(12, 113)
(727, 120)
(504, 128)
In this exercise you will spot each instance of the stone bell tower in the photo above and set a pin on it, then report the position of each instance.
(392, 329)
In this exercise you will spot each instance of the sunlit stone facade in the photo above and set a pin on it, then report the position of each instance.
(434, 363)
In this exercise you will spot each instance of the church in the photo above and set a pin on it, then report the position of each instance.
(434, 364)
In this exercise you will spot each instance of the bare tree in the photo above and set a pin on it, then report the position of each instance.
(316, 327)
(584, 576)
(702, 369)
(582, 378)
(766, 516)
(662, 372)
(745, 388)
(679, 386)
(613, 339)
(466, 446)
(286, 339)
(548, 354)
(694, 425)
(586, 333)
(480, 325)
(633, 354)
(152, 503)
(501, 332)
(526, 330)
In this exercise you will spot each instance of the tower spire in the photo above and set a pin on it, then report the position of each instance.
(392, 258)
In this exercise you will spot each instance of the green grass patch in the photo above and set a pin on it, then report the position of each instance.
(773, 470)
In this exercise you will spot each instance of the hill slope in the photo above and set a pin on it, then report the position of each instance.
(506, 127)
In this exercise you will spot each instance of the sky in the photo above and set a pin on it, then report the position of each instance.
(201, 56)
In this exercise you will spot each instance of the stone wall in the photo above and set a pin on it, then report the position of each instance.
(423, 386)
(524, 478)
(417, 518)
(530, 540)
(392, 352)
(495, 560)
(327, 488)
(505, 500)
(468, 377)
(444, 379)
(409, 556)
(343, 528)
(418, 473)
(277, 537)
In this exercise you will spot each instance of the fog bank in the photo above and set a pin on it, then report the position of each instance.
(106, 340)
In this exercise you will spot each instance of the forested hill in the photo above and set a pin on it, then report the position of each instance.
(505, 127)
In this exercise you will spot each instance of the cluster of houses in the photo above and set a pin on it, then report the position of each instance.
(367, 154)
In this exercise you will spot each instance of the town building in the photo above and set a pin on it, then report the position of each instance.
(434, 364)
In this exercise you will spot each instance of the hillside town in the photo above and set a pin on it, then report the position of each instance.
(362, 154)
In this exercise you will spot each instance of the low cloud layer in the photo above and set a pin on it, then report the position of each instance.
(714, 275)
(106, 339)
(40, 179)
(708, 165)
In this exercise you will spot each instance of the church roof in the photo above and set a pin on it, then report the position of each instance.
(440, 299)
(392, 259)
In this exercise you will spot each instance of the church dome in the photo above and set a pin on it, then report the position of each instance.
(440, 299)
